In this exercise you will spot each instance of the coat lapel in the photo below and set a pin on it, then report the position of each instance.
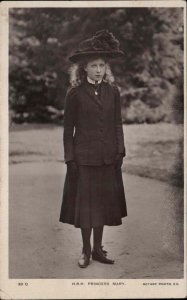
(104, 94)
(91, 93)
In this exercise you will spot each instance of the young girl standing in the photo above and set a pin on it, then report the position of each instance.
(94, 147)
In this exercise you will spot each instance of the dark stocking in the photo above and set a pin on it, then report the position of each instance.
(98, 234)
(86, 233)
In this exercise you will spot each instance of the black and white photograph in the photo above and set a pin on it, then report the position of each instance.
(95, 144)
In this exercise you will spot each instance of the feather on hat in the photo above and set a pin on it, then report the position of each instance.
(102, 43)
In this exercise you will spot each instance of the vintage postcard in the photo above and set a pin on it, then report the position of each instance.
(93, 149)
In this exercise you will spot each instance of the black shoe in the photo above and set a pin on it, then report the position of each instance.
(101, 257)
(104, 251)
(84, 260)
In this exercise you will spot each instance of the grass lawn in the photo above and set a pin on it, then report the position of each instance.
(153, 150)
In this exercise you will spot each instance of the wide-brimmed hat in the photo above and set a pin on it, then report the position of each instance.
(103, 43)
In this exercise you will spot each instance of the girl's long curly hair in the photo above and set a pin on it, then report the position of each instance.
(78, 75)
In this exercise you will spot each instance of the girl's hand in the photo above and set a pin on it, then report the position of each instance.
(72, 167)
(119, 161)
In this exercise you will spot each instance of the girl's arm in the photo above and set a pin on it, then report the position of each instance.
(70, 110)
(118, 124)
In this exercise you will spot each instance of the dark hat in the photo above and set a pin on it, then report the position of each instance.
(102, 43)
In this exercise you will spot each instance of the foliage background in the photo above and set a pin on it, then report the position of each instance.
(150, 77)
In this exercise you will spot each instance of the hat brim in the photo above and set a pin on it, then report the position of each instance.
(77, 57)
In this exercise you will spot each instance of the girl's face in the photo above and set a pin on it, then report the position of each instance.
(96, 69)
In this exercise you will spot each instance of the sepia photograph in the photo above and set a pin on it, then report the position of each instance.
(95, 146)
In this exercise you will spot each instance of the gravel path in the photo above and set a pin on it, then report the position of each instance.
(146, 245)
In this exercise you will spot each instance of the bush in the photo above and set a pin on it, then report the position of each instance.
(139, 112)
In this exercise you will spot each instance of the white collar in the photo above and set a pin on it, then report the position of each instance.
(92, 81)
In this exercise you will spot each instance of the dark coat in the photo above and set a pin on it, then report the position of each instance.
(93, 133)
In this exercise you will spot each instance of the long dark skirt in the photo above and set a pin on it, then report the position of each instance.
(93, 196)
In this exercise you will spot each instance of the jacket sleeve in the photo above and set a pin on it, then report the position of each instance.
(118, 124)
(69, 124)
